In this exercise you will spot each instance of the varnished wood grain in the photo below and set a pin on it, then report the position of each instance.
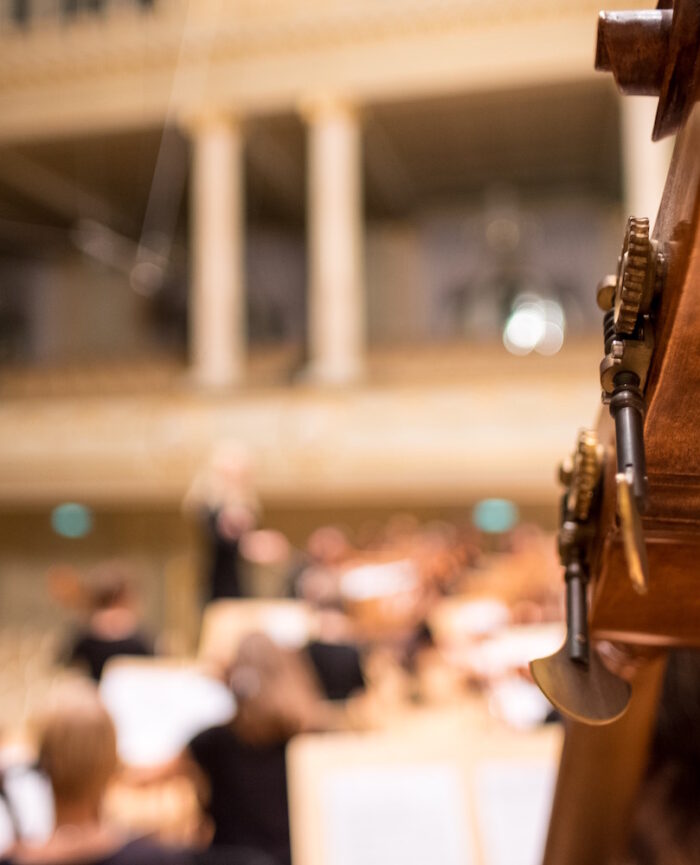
(588, 693)
(599, 775)
(669, 614)
(602, 766)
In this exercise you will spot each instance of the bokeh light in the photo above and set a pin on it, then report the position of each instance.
(495, 515)
(535, 324)
(71, 520)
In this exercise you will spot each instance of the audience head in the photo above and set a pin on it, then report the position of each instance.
(276, 693)
(77, 744)
(109, 586)
(328, 545)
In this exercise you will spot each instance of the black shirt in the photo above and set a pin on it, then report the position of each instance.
(138, 852)
(338, 669)
(248, 791)
(224, 561)
(93, 652)
(145, 852)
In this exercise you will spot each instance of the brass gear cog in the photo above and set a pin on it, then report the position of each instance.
(632, 273)
(586, 473)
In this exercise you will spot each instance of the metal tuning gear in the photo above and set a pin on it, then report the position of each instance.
(583, 481)
(627, 299)
(640, 270)
(574, 536)
(574, 679)
(632, 533)
(635, 270)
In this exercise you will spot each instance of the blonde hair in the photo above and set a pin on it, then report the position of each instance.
(226, 479)
(77, 743)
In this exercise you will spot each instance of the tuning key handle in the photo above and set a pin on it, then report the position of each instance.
(576, 611)
(627, 410)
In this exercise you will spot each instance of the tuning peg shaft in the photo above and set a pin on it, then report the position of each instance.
(627, 410)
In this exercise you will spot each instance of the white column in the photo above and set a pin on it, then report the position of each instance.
(217, 299)
(644, 162)
(336, 299)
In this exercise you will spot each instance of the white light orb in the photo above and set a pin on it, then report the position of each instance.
(524, 329)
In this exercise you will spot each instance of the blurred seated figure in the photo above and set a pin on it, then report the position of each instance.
(77, 751)
(327, 635)
(318, 575)
(266, 557)
(223, 498)
(335, 655)
(337, 666)
(113, 627)
(242, 764)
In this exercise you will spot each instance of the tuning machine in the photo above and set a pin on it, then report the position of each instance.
(574, 679)
(582, 482)
(627, 298)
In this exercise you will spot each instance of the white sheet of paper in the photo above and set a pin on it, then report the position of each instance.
(403, 814)
(513, 801)
(157, 710)
(31, 799)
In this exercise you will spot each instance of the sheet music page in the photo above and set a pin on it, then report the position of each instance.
(412, 815)
(157, 709)
(513, 801)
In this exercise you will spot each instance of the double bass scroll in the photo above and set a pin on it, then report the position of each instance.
(629, 537)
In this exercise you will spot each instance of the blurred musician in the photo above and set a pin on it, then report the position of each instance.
(240, 766)
(223, 498)
(78, 753)
(113, 627)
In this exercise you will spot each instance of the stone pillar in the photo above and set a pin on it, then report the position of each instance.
(336, 297)
(645, 163)
(217, 317)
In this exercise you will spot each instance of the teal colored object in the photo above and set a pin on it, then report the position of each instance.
(71, 520)
(495, 515)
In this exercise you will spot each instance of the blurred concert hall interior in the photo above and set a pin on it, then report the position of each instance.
(297, 318)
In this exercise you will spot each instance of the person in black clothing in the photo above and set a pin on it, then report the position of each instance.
(223, 498)
(93, 650)
(243, 763)
(223, 532)
(247, 791)
(113, 626)
(337, 667)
